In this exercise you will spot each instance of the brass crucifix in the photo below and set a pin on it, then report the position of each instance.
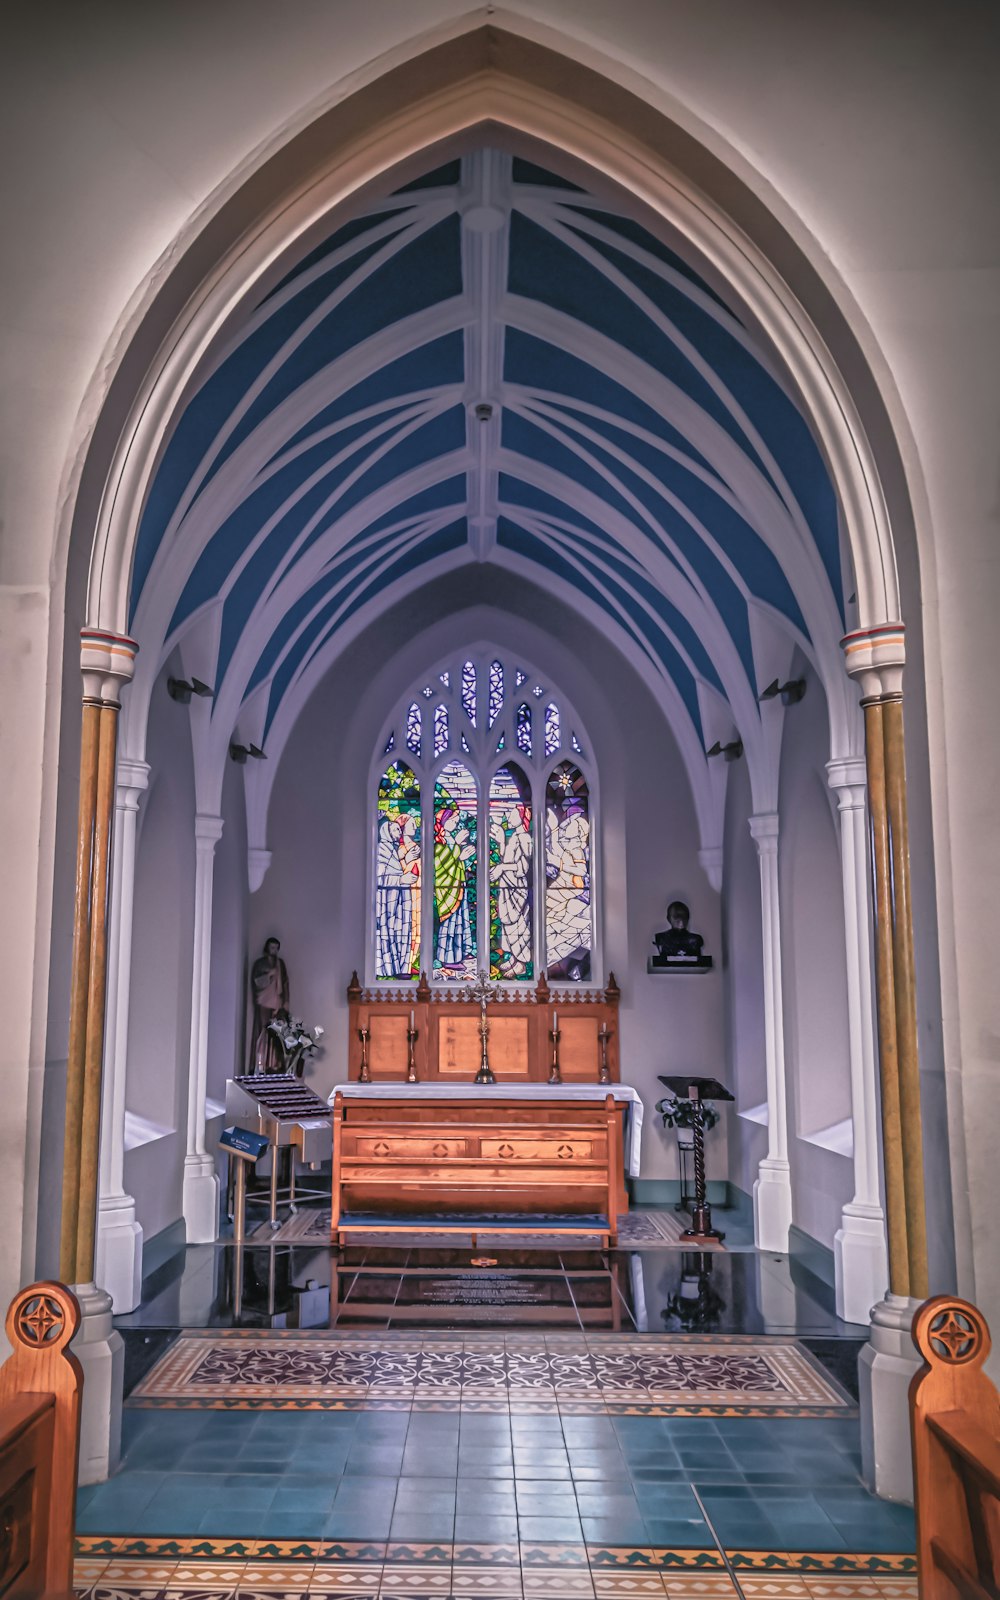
(484, 992)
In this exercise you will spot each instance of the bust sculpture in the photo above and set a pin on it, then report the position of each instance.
(676, 945)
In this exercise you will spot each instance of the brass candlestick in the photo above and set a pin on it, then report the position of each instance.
(484, 992)
(555, 1076)
(364, 1076)
(603, 1074)
(411, 1070)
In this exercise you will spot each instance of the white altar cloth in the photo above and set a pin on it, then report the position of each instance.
(511, 1091)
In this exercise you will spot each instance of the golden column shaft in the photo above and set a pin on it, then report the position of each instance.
(106, 660)
(79, 987)
(876, 658)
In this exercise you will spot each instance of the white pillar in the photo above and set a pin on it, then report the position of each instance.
(118, 1268)
(860, 1249)
(201, 1184)
(772, 1191)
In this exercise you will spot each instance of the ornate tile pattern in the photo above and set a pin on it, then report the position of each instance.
(609, 1373)
(467, 1572)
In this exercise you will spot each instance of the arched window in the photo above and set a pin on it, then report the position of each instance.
(482, 791)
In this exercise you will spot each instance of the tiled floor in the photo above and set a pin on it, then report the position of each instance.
(690, 1483)
(409, 1498)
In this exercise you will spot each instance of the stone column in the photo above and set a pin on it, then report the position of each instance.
(861, 1257)
(875, 657)
(201, 1183)
(772, 1191)
(119, 1235)
(106, 661)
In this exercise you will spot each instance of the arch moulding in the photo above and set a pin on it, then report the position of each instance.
(491, 83)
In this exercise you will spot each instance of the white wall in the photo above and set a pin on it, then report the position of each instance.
(743, 969)
(226, 1009)
(814, 970)
(160, 1001)
(314, 896)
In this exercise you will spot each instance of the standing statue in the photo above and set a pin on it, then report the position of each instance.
(269, 992)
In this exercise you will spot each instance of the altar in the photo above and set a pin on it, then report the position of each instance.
(540, 1137)
(551, 1158)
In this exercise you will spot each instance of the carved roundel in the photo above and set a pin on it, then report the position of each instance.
(955, 1335)
(951, 1332)
(44, 1316)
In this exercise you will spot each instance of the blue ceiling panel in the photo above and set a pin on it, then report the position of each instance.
(533, 363)
(433, 274)
(635, 234)
(435, 365)
(437, 544)
(524, 438)
(656, 435)
(648, 633)
(545, 269)
(343, 236)
(439, 436)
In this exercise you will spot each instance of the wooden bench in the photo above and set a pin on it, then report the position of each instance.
(40, 1384)
(955, 1428)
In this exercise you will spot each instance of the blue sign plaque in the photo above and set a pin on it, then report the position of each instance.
(244, 1143)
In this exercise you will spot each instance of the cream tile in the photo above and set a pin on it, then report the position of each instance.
(609, 1585)
(842, 1586)
(138, 1574)
(276, 1577)
(699, 1586)
(773, 1586)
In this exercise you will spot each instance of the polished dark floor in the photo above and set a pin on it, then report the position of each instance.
(650, 1290)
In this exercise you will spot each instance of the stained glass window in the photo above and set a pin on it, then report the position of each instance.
(469, 690)
(440, 729)
(413, 729)
(551, 728)
(484, 795)
(397, 875)
(455, 872)
(496, 690)
(511, 875)
(523, 729)
(568, 920)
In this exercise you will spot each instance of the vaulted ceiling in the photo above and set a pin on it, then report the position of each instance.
(491, 366)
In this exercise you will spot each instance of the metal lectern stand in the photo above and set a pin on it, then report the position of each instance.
(699, 1090)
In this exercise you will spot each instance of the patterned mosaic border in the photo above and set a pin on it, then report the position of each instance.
(378, 1553)
(650, 1376)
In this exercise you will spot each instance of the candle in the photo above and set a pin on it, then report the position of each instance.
(411, 1020)
(555, 1022)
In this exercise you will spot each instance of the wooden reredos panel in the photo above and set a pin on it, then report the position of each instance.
(447, 1046)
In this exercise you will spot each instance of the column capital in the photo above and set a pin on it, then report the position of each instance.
(107, 661)
(876, 657)
(848, 778)
(764, 831)
(131, 780)
(207, 831)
